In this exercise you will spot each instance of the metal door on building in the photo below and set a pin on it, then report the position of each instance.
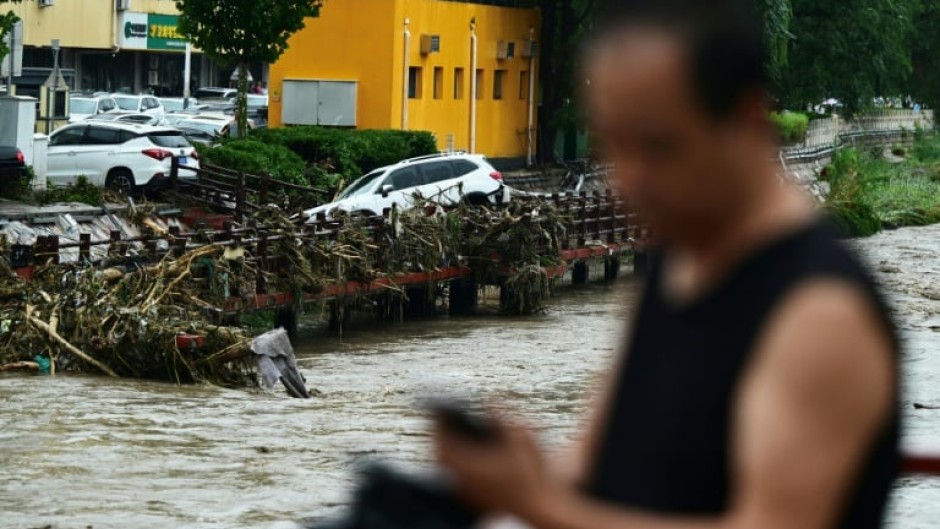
(319, 102)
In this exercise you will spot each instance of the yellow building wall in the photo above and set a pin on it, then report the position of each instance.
(363, 40)
(501, 125)
(79, 23)
(349, 41)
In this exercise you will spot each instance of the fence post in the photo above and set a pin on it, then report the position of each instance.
(265, 189)
(240, 196)
(174, 172)
(582, 214)
(50, 249)
(84, 247)
(115, 243)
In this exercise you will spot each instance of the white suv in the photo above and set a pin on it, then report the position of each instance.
(446, 179)
(119, 156)
(139, 104)
(84, 107)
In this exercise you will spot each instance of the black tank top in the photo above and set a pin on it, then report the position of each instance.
(667, 447)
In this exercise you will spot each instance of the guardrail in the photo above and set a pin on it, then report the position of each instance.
(242, 193)
(588, 220)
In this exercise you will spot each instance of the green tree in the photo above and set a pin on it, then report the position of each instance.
(925, 78)
(776, 16)
(240, 31)
(852, 50)
(7, 21)
(564, 25)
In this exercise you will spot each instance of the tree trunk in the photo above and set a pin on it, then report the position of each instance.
(241, 102)
(548, 76)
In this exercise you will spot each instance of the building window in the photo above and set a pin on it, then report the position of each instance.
(438, 82)
(458, 83)
(499, 79)
(524, 85)
(479, 84)
(414, 82)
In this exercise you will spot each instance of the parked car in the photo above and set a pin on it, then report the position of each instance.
(178, 104)
(218, 124)
(128, 117)
(443, 178)
(256, 101)
(199, 135)
(119, 156)
(141, 104)
(12, 168)
(209, 92)
(81, 107)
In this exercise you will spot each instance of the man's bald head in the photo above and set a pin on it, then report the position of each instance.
(684, 123)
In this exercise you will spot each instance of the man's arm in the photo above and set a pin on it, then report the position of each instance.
(809, 408)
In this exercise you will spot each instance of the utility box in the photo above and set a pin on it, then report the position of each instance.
(319, 102)
(430, 44)
(505, 49)
(17, 123)
(40, 149)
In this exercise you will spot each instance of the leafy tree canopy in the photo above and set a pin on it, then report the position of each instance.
(240, 31)
(7, 20)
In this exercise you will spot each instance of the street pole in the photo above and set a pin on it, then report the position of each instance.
(51, 90)
(10, 72)
(187, 73)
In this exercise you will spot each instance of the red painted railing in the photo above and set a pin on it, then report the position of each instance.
(921, 464)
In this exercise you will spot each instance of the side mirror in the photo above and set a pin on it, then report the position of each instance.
(386, 189)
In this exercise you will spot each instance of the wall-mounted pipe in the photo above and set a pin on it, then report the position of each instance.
(406, 67)
(473, 85)
(530, 131)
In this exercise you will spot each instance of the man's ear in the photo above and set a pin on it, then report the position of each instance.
(754, 112)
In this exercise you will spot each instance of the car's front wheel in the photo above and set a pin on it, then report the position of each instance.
(121, 181)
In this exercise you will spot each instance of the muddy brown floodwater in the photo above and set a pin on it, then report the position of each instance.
(83, 451)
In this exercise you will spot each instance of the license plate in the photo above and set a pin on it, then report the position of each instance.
(184, 160)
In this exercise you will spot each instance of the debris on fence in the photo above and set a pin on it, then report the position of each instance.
(119, 297)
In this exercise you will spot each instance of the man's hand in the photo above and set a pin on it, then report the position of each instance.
(501, 475)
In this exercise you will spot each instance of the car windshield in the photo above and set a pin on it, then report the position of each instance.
(172, 105)
(208, 92)
(82, 106)
(257, 101)
(127, 103)
(211, 128)
(170, 139)
(361, 186)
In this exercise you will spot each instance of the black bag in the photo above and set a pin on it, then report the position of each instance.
(387, 499)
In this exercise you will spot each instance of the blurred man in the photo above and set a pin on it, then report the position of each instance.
(758, 386)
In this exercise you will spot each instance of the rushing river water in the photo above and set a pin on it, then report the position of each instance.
(82, 451)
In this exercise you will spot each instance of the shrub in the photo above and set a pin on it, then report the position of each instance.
(258, 158)
(791, 126)
(346, 152)
(81, 191)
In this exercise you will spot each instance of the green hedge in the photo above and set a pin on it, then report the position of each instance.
(346, 152)
(791, 126)
(318, 156)
(257, 157)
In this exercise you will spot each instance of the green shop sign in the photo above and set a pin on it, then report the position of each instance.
(151, 31)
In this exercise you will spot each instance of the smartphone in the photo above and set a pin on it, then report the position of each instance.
(462, 418)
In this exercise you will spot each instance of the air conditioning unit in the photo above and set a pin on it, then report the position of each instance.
(530, 48)
(430, 44)
(505, 49)
(122, 5)
(46, 3)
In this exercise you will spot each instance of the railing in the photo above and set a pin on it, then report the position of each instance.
(241, 193)
(588, 220)
(826, 135)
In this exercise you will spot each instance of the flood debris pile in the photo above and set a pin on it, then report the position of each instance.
(106, 320)
(121, 314)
